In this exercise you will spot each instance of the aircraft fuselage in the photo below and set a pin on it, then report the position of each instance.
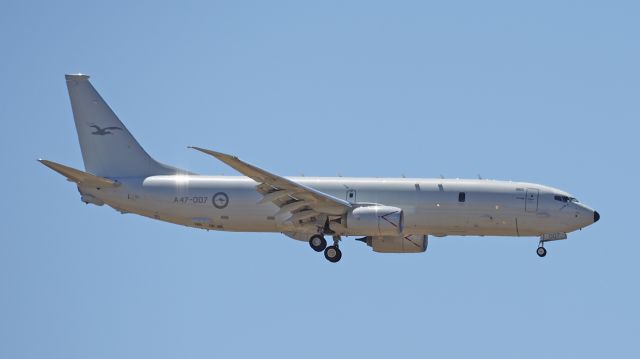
(431, 206)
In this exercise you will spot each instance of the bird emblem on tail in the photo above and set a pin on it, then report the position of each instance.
(104, 131)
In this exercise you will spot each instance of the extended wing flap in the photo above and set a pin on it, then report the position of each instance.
(80, 177)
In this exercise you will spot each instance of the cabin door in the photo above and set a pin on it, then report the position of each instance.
(531, 200)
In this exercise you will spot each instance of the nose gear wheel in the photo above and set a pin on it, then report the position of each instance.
(541, 251)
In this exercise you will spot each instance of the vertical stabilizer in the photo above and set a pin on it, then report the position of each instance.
(108, 148)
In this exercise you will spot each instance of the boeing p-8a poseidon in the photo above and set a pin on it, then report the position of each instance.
(391, 215)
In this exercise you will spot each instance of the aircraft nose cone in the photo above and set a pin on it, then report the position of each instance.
(596, 216)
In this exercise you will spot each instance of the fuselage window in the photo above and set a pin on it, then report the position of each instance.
(462, 197)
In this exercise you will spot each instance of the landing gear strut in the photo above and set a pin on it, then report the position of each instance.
(333, 252)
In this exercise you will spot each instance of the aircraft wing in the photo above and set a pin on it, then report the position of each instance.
(80, 177)
(301, 201)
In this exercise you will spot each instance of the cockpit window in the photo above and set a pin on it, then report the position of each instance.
(565, 199)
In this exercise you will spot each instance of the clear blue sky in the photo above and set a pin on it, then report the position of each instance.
(544, 91)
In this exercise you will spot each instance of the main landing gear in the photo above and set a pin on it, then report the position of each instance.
(317, 243)
(332, 253)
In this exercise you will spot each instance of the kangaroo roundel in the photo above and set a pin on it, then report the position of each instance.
(220, 200)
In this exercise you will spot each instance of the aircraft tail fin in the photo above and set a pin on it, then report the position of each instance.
(108, 148)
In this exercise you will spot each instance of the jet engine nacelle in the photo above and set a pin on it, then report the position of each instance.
(374, 221)
(397, 244)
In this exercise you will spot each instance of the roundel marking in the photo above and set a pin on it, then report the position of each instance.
(220, 200)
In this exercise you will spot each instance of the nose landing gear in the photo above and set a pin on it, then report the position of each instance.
(548, 237)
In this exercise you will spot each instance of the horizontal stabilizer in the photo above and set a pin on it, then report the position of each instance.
(80, 177)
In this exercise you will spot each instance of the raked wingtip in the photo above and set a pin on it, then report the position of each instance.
(210, 152)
